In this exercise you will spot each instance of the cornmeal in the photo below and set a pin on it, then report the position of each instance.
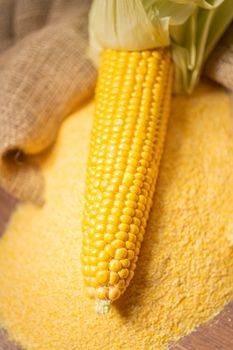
(184, 274)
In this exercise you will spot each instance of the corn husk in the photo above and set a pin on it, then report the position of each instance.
(190, 27)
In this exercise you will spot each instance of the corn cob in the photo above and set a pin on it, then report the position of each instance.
(132, 107)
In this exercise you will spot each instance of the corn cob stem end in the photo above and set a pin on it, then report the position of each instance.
(102, 306)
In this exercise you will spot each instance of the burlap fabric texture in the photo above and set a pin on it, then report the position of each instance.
(219, 66)
(44, 74)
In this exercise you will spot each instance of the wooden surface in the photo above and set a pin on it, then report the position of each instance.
(216, 335)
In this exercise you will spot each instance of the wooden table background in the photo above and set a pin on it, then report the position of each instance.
(215, 335)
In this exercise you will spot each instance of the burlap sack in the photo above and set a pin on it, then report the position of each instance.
(44, 74)
(219, 67)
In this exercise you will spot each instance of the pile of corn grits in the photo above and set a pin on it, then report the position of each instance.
(184, 274)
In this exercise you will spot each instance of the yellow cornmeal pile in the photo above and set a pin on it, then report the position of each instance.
(184, 274)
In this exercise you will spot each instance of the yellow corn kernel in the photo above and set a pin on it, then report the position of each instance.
(114, 293)
(115, 265)
(111, 229)
(123, 236)
(124, 227)
(117, 243)
(121, 253)
(102, 293)
(103, 256)
(99, 244)
(132, 108)
(131, 274)
(114, 278)
(102, 265)
(130, 245)
(130, 254)
(91, 292)
(132, 237)
(126, 219)
(102, 277)
(131, 204)
(85, 270)
(92, 260)
(108, 237)
(134, 229)
(123, 273)
(133, 266)
(125, 262)
(91, 281)
(120, 284)
(128, 211)
(110, 250)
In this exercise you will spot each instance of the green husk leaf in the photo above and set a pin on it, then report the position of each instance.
(193, 41)
(190, 27)
(125, 25)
